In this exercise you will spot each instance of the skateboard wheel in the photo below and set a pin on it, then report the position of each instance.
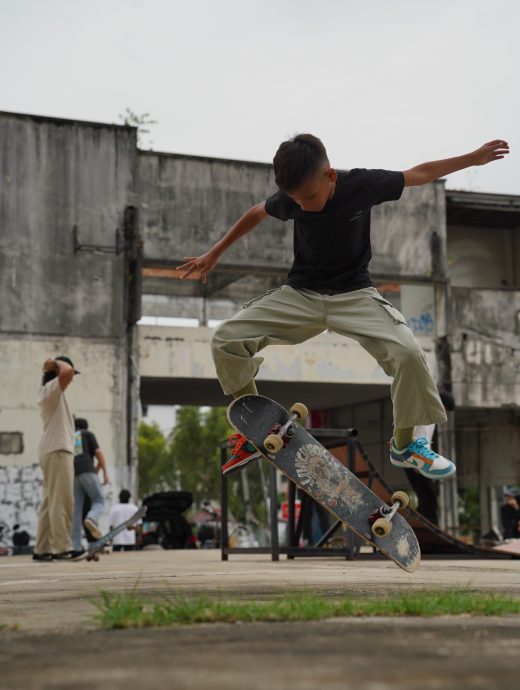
(403, 499)
(300, 410)
(95, 557)
(273, 443)
(382, 527)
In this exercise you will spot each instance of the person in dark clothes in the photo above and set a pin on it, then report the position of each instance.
(87, 484)
(510, 514)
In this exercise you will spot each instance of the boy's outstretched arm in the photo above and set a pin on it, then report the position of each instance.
(206, 262)
(427, 172)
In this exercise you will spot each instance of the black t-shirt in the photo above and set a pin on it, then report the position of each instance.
(332, 246)
(85, 445)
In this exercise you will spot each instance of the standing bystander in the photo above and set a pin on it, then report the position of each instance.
(56, 453)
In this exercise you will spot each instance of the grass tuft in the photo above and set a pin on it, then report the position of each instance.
(131, 611)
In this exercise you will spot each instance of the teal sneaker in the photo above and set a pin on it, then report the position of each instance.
(419, 456)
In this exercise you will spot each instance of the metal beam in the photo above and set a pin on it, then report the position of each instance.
(160, 268)
(166, 270)
(218, 282)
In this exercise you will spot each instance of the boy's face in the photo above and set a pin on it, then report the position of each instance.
(314, 193)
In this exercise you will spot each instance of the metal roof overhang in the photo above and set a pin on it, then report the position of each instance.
(482, 209)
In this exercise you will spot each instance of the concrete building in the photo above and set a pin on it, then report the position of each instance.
(66, 238)
(91, 229)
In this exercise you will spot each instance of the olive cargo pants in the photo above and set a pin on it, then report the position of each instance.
(286, 316)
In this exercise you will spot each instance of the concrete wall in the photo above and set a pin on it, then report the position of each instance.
(488, 447)
(403, 241)
(488, 452)
(184, 352)
(56, 174)
(485, 358)
(482, 257)
(374, 422)
(188, 203)
(485, 347)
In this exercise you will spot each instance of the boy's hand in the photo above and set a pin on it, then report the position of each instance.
(201, 264)
(492, 151)
(205, 263)
(428, 172)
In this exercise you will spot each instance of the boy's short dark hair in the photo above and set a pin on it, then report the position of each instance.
(297, 160)
(80, 424)
(124, 496)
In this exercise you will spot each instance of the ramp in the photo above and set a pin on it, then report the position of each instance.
(432, 539)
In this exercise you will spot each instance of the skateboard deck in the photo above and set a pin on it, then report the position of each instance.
(312, 468)
(96, 547)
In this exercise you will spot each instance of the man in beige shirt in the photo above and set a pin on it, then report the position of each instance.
(56, 455)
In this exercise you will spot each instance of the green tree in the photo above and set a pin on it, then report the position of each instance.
(155, 469)
(194, 449)
(195, 453)
(469, 513)
(190, 460)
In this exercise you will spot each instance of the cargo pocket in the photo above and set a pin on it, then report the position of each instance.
(394, 313)
(260, 297)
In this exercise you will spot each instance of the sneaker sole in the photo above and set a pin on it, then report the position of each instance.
(408, 466)
(437, 477)
(240, 465)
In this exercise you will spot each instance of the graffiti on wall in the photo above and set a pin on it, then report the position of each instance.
(422, 324)
(20, 495)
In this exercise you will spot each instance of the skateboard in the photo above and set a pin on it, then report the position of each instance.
(276, 435)
(96, 547)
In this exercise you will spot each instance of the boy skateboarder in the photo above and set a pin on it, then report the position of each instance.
(329, 287)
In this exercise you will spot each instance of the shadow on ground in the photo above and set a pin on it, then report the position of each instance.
(360, 654)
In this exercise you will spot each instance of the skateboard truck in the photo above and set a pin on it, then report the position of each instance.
(275, 441)
(381, 519)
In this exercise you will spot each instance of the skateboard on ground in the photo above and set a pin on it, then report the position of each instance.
(96, 547)
(276, 434)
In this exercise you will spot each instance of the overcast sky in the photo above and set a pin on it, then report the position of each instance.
(384, 83)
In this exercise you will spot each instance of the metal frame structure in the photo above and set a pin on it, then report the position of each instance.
(329, 438)
(334, 438)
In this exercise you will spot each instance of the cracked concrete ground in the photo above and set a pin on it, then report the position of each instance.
(58, 644)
